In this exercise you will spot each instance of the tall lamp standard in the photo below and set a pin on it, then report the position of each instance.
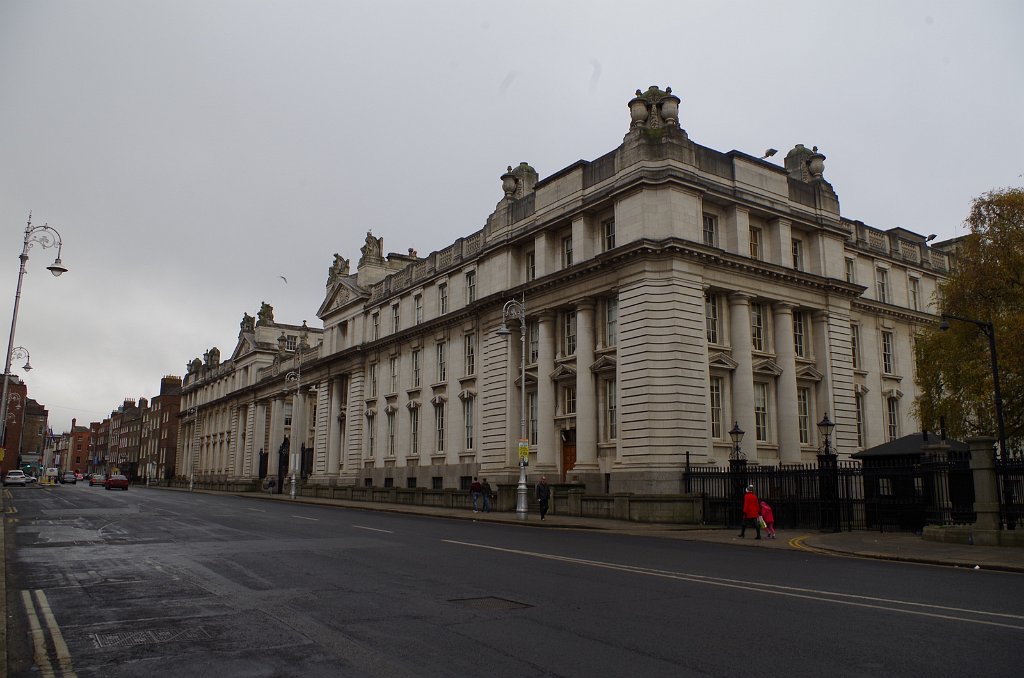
(990, 332)
(45, 236)
(194, 413)
(514, 308)
(295, 377)
(828, 476)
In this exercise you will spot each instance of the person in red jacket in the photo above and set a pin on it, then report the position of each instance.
(769, 519)
(751, 510)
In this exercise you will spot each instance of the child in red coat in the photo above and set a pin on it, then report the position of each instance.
(769, 519)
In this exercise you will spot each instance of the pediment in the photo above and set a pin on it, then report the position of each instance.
(768, 367)
(721, 361)
(563, 372)
(341, 294)
(606, 363)
(809, 373)
(246, 345)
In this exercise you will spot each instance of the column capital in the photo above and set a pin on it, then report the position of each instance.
(740, 298)
(585, 304)
(783, 307)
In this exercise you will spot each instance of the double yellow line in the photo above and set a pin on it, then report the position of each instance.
(41, 607)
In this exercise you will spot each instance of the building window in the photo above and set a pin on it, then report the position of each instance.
(611, 410)
(533, 339)
(373, 379)
(761, 412)
(859, 407)
(799, 334)
(416, 368)
(376, 327)
(569, 400)
(755, 243)
(442, 298)
(467, 417)
(439, 426)
(611, 321)
(757, 326)
(469, 342)
(888, 362)
(291, 341)
(710, 230)
(717, 413)
(442, 367)
(915, 294)
(608, 227)
(414, 430)
(803, 414)
(394, 374)
(798, 254)
(712, 326)
(531, 266)
(470, 287)
(855, 346)
(418, 300)
(531, 404)
(391, 433)
(892, 418)
(569, 333)
(851, 271)
(396, 319)
(882, 284)
(567, 252)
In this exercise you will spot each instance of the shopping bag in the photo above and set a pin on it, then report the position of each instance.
(761, 523)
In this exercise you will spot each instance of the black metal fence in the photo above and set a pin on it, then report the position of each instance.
(887, 494)
(1010, 486)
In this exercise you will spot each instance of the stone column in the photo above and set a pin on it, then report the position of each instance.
(259, 435)
(276, 433)
(548, 441)
(785, 353)
(586, 393)
(298, 437)
(986, 489)
(334, 428)
(743, 375)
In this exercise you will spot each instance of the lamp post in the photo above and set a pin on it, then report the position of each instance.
(194, 413)
(516, 309)
(295, 377)
(990, 332)
(736, 434)
(828, 477)
(45, 236)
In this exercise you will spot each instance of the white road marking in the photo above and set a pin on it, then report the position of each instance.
(305, 518)
(774, 589)
(374, 529)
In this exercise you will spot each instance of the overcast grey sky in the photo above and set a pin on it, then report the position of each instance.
(190, 152)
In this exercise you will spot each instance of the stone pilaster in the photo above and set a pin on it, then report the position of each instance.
(785, 354)
(586, 394)
(743, 375)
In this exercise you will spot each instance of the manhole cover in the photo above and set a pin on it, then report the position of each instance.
(489, 604)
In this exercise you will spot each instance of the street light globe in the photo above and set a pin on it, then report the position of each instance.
(57, 268)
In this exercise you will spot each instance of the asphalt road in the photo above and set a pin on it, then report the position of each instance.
(162, 583)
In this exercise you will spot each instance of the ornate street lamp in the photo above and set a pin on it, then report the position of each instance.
(736, 434)
(516, 309)
(990, 332)
(45, 236)
(825, 428)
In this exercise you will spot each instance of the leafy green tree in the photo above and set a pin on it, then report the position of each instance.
(986, 283)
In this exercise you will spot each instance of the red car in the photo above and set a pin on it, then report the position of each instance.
(118, 481)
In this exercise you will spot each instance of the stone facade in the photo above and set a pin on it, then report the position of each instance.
(671, 291)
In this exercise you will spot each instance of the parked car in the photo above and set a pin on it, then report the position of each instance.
(69, 477)
(29, 478)
(79, 476)
(116, 481)
(96, 479)
(15, 477)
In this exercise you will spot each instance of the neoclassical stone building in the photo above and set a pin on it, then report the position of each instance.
(671, 291)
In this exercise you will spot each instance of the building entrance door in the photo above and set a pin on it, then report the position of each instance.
(568, 451)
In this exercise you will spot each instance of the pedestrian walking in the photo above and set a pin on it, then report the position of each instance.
(474, 491)
(543, 496)
(769, 519)
(751, 512)
(486, 489)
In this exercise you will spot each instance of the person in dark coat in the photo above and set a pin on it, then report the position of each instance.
(487, 491)
(543, 496)
(474, 491)
(751, 510)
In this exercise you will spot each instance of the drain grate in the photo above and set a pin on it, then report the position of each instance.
(134, 638)
(489, 604)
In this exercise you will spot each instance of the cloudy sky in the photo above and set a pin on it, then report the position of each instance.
(192, 152)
